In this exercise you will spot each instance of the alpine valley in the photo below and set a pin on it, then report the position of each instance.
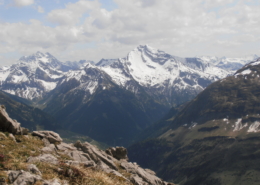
(113, 100)
(213, 139)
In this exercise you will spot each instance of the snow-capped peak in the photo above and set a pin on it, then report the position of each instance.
(149, 48)
(106, 62)
(38, 57)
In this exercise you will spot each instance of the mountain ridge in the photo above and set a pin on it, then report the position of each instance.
(213, 139)
(20, 78)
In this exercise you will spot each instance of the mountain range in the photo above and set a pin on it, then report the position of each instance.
(114, 99)
(207, 107)
(212, 139)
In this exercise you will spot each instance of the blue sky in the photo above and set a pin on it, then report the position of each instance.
(95, 29)
(11, 13)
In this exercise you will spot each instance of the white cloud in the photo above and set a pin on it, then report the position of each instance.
(40, 9)
(73, 12)
(23, 2)
(182, 28)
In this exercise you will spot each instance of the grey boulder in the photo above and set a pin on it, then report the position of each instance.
(117, 152)
(51, 136)
(47, 158)
(10, 125)
(23, 178)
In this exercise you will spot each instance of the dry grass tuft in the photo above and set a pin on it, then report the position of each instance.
(15, 153)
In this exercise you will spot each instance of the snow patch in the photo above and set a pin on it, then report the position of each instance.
(226, 120)
(246, 72)
(193, 124)
(238, 125)
(254, 127)
(255, 63)
(48, 86)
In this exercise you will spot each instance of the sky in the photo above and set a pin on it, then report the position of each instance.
(73, 30)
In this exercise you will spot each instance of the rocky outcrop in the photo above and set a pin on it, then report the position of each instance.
(51, 136)
(141, 176)
(113, 161)
(22, 178)
(33, 169)
(10, 125)
(117, 152)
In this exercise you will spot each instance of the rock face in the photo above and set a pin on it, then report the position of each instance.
(111, 161)
(10, 125)
(87, 155)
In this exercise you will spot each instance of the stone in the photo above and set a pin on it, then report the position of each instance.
(46, 142)
(8, 124)
(2, 136)
(65, 147)
(51, 136)
(77, 163)
(77, 156)
(95, 154)
(47, 158)
(2, 181)
(136, 180)
(118, 152)
(22, 178)
(12, 137)
(49, 149)
(33, 169)
(25, 131)
(147, 176)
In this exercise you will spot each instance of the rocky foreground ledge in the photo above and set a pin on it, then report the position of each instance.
(41, 157)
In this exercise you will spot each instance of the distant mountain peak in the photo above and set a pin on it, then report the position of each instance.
(38, 56)
(147, 47)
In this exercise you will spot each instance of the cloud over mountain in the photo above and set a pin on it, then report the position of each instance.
(83, 28)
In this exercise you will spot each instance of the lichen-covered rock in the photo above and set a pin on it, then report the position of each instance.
(23, 178)
(117, 152)
(51, 136)
(47, 158)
